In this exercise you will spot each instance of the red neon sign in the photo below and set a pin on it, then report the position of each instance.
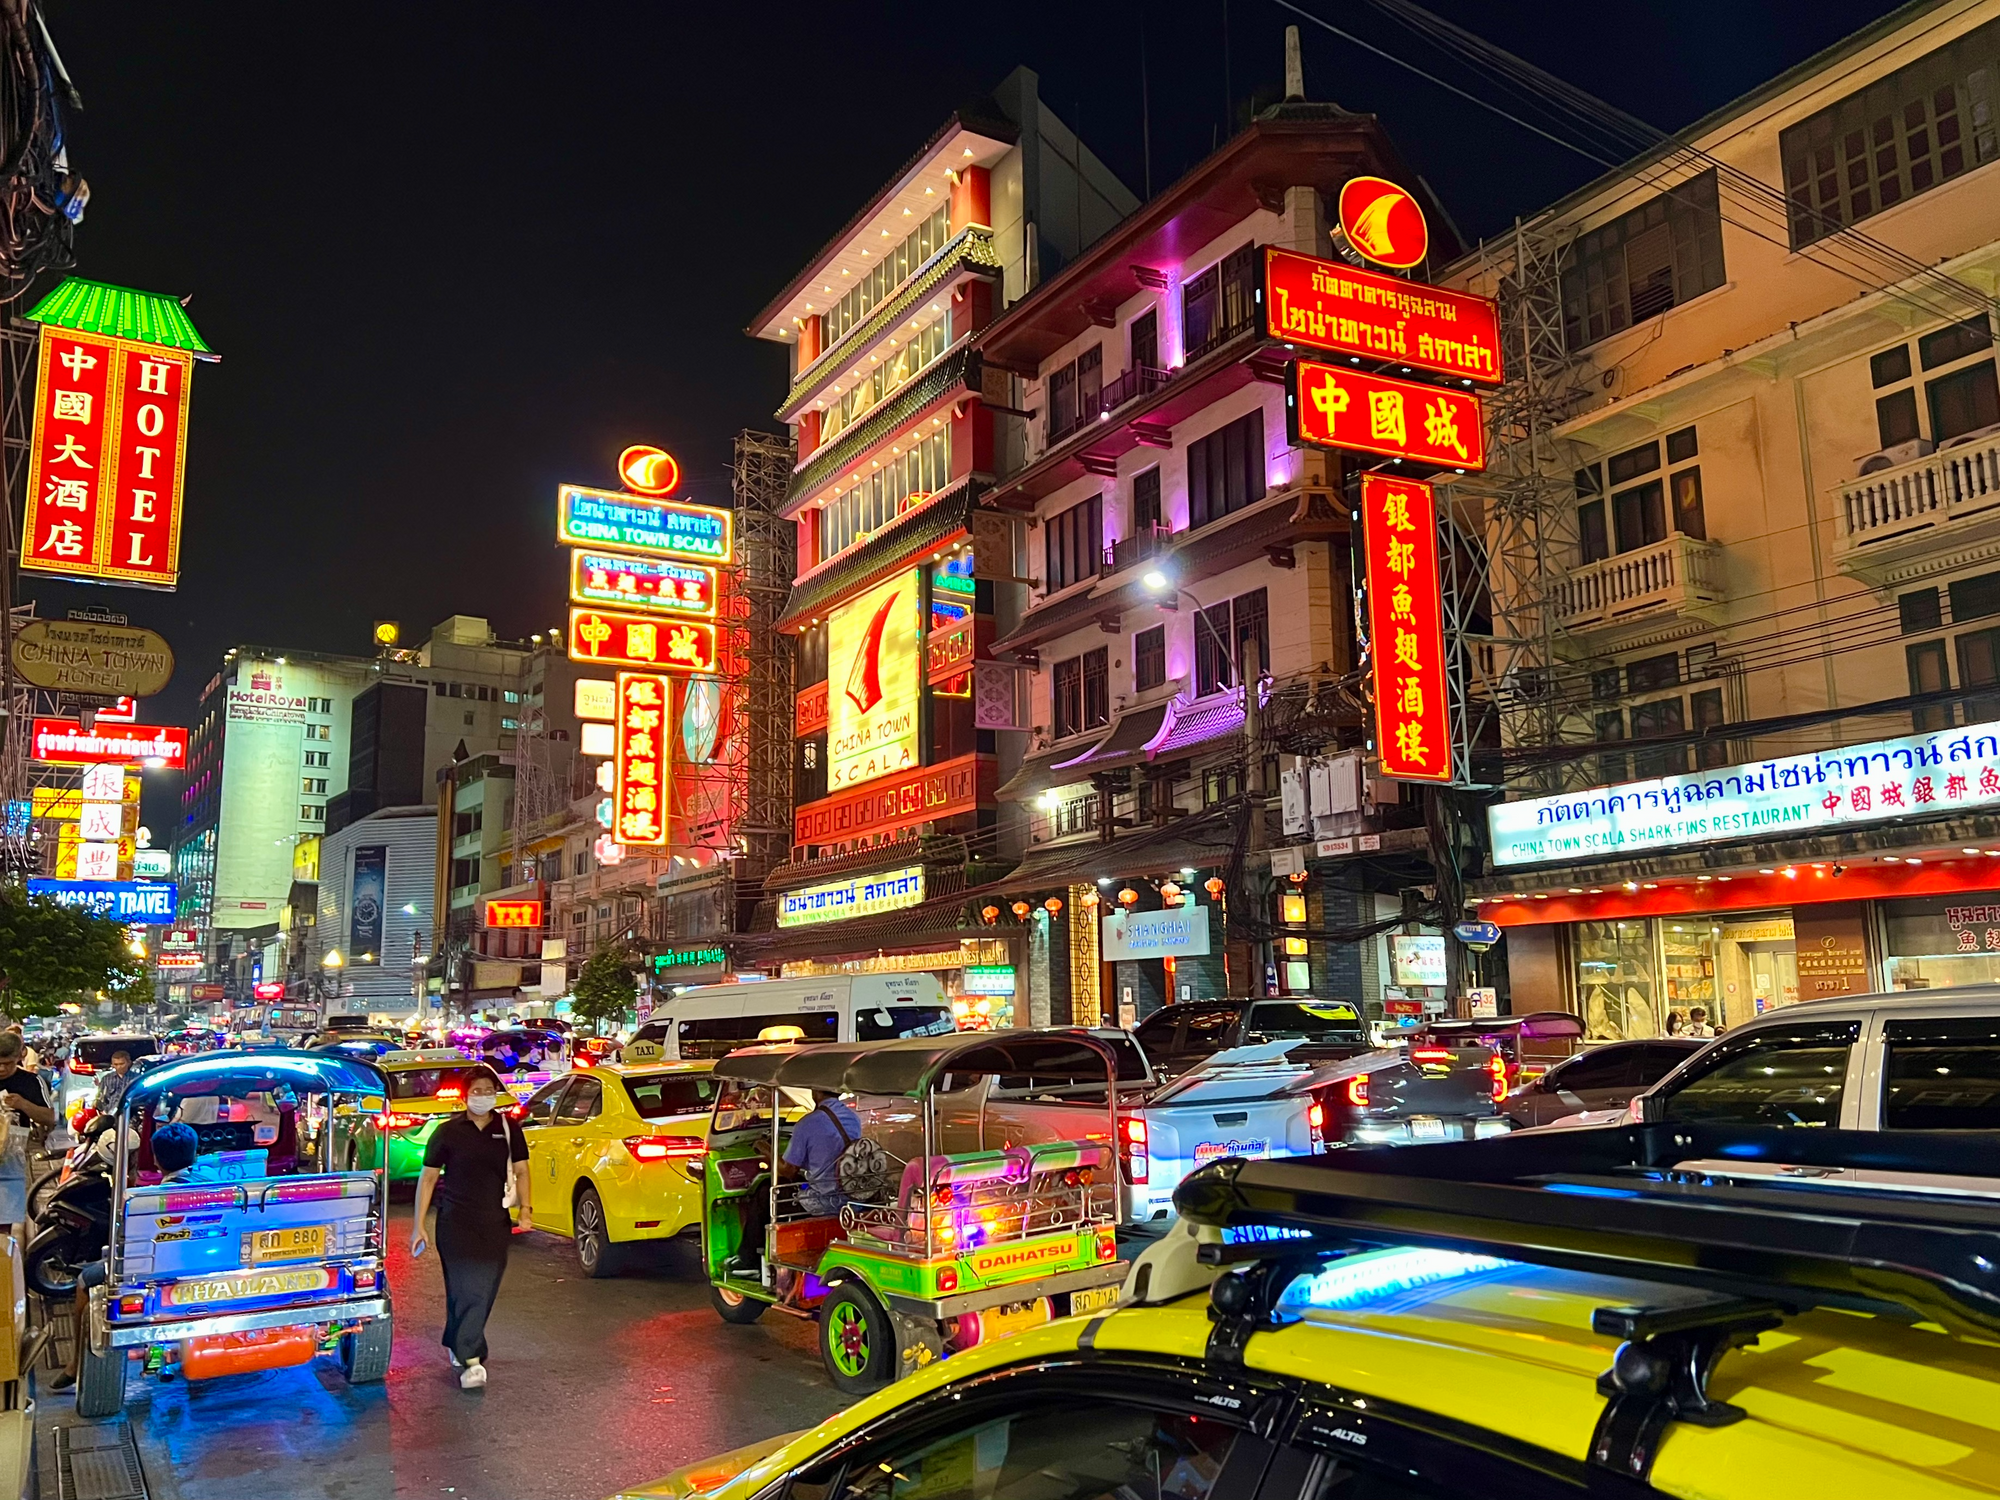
(640, 583)
(643, 760)
(1406, 628)
(514, 914)
(1326, 305)
(647, 470)
(609, 638)
(1383, 222)
(66, 742)
(106, 461)
(1331, 406)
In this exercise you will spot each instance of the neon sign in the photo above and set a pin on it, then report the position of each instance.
(640, 583)
(657, 528)
(1383, 222)
(1372, 315)
(1333, 406)
(642, 761)
(1406, 628)
(607, 638)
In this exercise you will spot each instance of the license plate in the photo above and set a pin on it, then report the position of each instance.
(1093, 1299)
(1426, 1128)
(307, 1243)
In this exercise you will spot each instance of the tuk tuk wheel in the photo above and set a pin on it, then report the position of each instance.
(100, 1381)
(856, 1343)
(364, 1354)
(735, 1307)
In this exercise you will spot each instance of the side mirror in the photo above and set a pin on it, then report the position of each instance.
(1652, 1108)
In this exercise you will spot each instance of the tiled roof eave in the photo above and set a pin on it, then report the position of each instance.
(120, 312)
(891, 549)
(948, 378)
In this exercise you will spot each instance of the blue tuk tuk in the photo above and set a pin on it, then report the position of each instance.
(259, 1256)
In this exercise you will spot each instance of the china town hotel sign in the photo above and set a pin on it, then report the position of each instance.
(1882, 781)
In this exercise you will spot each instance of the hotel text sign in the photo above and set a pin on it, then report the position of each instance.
(1882, 781)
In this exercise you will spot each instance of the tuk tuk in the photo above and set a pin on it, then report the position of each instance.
(260, 1255)
(950, 1249)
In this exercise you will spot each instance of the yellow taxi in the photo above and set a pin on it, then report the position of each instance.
(426, 1088)
(1269, 1353)
(615, 1153)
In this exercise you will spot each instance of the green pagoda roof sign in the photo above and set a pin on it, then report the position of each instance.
(120, 312)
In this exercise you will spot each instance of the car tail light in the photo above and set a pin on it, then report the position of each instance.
(665, 1147)
(1497, 1065)
(1316, 1116)
(1107, 1247)
(391, 1120)
(518, 1112)
(1357, 1091)
(581, 1060)
(947, 1280)
(1431, 1057)
(80, 1068)
(364, 1281)
(132, 1304)
(1132, 1147)
(451, 1091)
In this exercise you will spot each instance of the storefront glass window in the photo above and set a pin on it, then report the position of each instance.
(1934, 941)
(1634, 976)
(1618, 978)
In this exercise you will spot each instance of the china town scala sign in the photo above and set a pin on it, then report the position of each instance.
(1922, 775)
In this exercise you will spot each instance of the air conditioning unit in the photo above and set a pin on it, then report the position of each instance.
(1902, 453)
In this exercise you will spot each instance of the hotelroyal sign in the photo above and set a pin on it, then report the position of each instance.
(1924, 774)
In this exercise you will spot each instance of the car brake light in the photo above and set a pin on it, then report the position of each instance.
(390, 1120)
(132, 1304)
(1132, 1149)
(1497, 1065)
(518, 1112)
(79, 1066)
(947, 1280)
(364, 1280)
(1135, 1131)
(665, 1147)
(1357, 1090)
(451, 1091)
(1431, 1056)
(1316, 1116)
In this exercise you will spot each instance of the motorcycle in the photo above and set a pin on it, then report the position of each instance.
(75, 1220)
(84, 1133)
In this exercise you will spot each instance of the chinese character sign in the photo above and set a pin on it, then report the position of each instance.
(107, 458)
(1406, 628)
(1326, 305)
(1334, 407)
(610, 638)
(643, 760)
(645, 583)
(512, 913)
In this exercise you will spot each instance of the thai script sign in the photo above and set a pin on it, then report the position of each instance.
(851, 898)
(658, 528)
(81, 656)
(644, 583)
(1884, 780)
(1326, 305)
(66, 742)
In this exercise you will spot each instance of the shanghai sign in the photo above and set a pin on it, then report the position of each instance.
(611, 639)
(645, 745)
(1882, 781)
(1372, 315)
(873, 650)
(81, 656)
(1332, 407)
(626, 523)
(106, 460)
(1406, 628)
(640, 583)
(66, 742)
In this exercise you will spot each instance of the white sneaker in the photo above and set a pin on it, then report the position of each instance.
(473, 1376)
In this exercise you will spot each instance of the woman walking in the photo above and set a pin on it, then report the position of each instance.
(468, 1165)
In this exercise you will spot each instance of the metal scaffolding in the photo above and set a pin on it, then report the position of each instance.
(761, 580)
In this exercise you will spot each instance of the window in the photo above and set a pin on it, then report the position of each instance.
(717, 1036)
(1610, 727)
(888, 1023)
(1961, 396)
(1073, 545)
(1145, 500)
(889, 272)
(811, 657)
(1919, 610)
(1066, 697)
(316, 757)
(1661, 717)
(1073, 393)
(1942, 1075)
(1253, 623)
(583, 1102)
(312, 813)
(1706, 711)
(1096, 689)
(1652, 672)
(1900, 136)
(510, 696)
(1979, 667)
(1928, 674)
(1219, 303)
(578, 918)
(905, 479)
(580, 865)
(510, 723)
(1592, 535)
(542, 1108)
(1639, 516)
(1659, 255)
(1963, 402)
(1226, 470)
(1213, 669)
(1145, 340)
(895, 368)
(1149, 658)
(1604, 683)
(319, 731)
(313, 786)
(661, 1096)
(1772, 1078)
(1081, 693)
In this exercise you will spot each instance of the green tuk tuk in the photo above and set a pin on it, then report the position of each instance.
(948, 1249)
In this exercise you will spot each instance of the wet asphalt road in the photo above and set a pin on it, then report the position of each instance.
(595, 1384)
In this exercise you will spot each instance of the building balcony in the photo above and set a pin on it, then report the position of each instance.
(1143, 545)
(1933, 513)
(1679, 576)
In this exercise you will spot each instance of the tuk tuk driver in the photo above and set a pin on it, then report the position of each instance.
(813, 1154)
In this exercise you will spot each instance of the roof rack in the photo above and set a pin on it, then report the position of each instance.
(1614, 1202)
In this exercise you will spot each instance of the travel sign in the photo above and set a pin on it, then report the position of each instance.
(656, 528)
(1922, 775)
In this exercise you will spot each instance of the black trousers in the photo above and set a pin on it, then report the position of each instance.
(472, 1248)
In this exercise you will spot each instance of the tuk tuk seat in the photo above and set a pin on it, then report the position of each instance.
(801, 1242)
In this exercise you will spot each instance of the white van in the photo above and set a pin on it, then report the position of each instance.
(715, 1019)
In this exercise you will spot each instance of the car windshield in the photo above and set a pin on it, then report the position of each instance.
(97, 1050)
(1332, 1020)
(431, 1083)
(667, 1094)
(881, 1023)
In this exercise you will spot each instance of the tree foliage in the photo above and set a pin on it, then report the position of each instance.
(604, 990)
(51, 953)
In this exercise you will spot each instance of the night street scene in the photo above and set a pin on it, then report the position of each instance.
(1228, 750)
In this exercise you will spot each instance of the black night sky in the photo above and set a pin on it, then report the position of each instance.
(455, 253)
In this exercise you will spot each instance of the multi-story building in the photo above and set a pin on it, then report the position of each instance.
(900, 708)
(1771, 547)
(377, 880)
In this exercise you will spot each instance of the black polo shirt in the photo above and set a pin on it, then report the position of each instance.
(475, 1163)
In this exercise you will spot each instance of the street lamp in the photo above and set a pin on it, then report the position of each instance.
(332, 959)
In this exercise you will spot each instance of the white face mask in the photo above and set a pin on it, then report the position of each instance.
(481, 1104)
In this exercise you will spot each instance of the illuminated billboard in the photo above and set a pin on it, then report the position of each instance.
(66, 742)
(643, 760)
(873, 656)
(612, 638)
(640, 583)
(1406, 628)
(858, 896)
(1334, 406)
(513, 913)
(627, 523)
(1373, 315)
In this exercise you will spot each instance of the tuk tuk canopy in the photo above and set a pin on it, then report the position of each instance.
(254, 1072)
(913, 1065)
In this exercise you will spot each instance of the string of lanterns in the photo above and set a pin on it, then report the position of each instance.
(1171, 892)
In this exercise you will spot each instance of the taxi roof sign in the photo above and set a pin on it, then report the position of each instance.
(641, 1052)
